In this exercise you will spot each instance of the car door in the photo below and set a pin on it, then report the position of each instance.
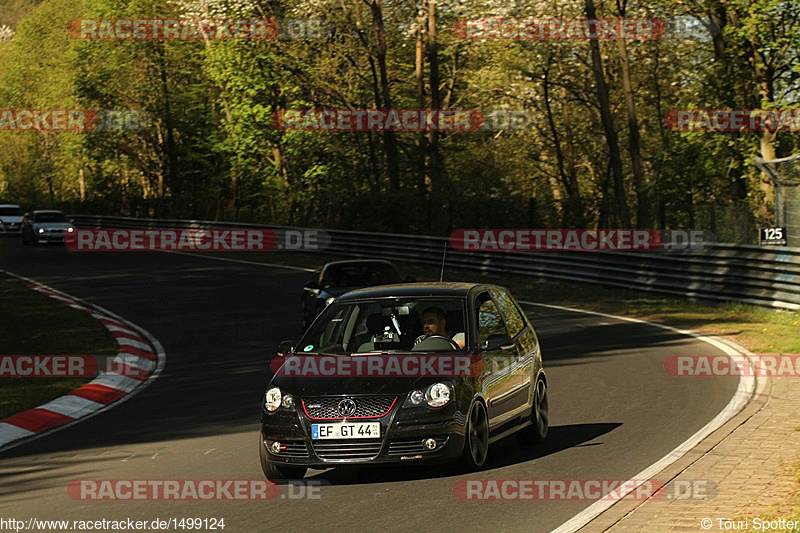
(525, 342)
(501, 377)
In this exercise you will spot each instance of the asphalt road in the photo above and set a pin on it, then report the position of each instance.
(613, 409)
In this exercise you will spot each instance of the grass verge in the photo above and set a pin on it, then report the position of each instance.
(34, 324)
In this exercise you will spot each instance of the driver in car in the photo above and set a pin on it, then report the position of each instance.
(434, 323)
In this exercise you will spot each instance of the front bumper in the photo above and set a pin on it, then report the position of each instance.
(10, 228)
(402, 434)
(49, 237)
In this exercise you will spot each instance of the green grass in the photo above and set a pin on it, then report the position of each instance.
(34, 324)
(788, 509)
(759, 329)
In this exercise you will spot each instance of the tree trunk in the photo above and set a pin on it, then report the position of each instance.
(764, 78)
(621, 211)
(634, 139)
(170, 150)
(572, 208)
(436, 164)
(419, 65)
(389, 137)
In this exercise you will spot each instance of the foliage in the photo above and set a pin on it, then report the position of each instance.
(211, 150)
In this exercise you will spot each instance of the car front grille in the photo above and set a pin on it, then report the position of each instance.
(348, 449)
(366, 407)
(413, 446)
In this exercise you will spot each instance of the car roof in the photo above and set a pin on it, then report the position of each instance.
(9, 205)
(356, 262)
(406, 290)
(47, 211)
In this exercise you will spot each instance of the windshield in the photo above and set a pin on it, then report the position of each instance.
(387, 326)
(51, 217)
(359, 275)
(10, 211)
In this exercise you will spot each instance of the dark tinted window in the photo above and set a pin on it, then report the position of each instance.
(375, 325)
(490, 322)
(363, 275)
(50, 217)
(10, 211)
(511, 313)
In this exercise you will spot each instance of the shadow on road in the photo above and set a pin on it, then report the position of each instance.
(505, 453)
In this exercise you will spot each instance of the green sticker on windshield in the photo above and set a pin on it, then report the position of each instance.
(308, 348)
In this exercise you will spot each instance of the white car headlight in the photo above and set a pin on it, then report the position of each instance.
(40, 230)
(70, 229)
(273, 399)
(438, 394)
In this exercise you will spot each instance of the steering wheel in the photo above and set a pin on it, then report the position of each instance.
(453, 344)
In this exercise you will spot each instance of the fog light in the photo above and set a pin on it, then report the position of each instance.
(275, 447)
(429, 444)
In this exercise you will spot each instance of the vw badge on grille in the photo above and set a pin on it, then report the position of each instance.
(347, 407)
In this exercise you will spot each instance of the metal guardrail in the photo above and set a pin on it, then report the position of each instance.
(768, 277)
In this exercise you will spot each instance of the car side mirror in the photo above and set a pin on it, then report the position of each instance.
(497, 342)
(286, 348)
(411, 279)
(312, 285)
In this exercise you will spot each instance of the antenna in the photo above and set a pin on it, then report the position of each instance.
(444, 254)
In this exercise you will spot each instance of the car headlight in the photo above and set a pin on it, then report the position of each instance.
(287, 401)
(437, 395)
(40, 230)
(329, 301)
(70, 229)
(273, 399)
(414, 399)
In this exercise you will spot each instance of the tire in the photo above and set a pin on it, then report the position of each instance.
(278, 470)
(476, 441)
(540, 423)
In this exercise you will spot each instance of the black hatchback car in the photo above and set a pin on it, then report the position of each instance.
(313, 417)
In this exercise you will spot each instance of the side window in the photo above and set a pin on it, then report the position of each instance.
(490, 322)
(514, 320)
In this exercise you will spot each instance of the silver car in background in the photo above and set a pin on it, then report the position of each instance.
(45, 226)
(10, 218)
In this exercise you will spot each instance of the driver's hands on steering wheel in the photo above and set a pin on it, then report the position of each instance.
(453, 344)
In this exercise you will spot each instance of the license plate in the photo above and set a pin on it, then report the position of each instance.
(346, 430)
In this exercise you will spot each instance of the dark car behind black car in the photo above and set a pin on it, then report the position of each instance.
(339, 277)
(339, 420)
